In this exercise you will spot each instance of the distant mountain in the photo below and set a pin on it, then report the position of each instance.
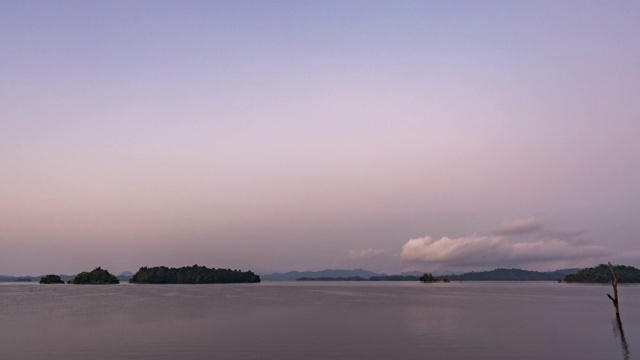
(414, 273)
(9, 278)
(352, 278)
(359, 278)
(329, 273)
(511, 275)
(125, 276)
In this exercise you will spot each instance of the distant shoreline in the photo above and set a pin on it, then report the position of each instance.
(355, 275)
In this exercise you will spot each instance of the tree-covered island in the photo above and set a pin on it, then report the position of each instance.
(428, 278)
(602, 274)
(192, 275)
(51, 279)
(97, 276)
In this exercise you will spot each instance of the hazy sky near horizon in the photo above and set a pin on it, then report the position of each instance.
(303, 135)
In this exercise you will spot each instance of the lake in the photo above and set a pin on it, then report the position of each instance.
(319, 320)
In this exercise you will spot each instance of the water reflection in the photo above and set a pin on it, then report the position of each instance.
(457, 321)
(619, 331)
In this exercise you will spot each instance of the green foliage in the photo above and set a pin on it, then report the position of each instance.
(97, 276)
(602, 274)
(192, 275)
(51, 279)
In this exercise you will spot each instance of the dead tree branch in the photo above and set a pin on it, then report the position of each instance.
(614, 282)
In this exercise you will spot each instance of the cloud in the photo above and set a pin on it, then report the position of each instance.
(566, 234)
(497, 251)
(518, 227)
(364, 254)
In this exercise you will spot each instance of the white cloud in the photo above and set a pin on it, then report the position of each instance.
(518, 227)
(364, 254)
(497, 251)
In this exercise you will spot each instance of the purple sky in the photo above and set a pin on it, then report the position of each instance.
(299, 135)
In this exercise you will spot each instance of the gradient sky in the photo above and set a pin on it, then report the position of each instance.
(303, 135)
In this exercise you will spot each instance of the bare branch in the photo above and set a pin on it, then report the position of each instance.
(614, 282)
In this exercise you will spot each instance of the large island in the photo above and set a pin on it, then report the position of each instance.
(192, 275)
(602, 274)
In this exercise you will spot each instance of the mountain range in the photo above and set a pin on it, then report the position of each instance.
(493, 275)
(328, 273)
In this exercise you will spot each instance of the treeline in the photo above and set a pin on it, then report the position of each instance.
(602, 274)
(192, 275)
(510, 275)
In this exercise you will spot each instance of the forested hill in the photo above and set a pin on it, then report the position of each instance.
(510, 275)
(192, 275)
(602, 274)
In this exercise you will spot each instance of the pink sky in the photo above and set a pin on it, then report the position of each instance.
(279, 136)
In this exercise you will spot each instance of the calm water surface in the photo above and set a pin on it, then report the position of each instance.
(318, 320)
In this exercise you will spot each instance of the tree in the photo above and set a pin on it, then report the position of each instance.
(614, 282)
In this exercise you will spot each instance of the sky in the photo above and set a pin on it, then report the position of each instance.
(302, 135)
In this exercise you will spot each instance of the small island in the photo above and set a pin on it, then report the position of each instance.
(97, 276)
(428, 278)
(51, 279)
(192, 275)
(602, 274)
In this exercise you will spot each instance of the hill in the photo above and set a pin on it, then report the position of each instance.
(510, 275)
(602, 274)
(358, 278)
(125, 276)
